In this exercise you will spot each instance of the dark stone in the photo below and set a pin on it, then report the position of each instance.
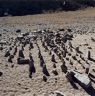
(67, 59)
(61, 29)
(74, 57)
(54, 65)
(31, 67)
(7, 54)
(44, 78)
(10, 58)
(64, 68)
(89, 55)
(22, 61)
(12, 66)
(55, 72)
(53, 59)
(1, 48)
(78, 51)
(69, 30)
(1, 73)
(31, 46)
(21, 54)
(18, 31)
(71, 62)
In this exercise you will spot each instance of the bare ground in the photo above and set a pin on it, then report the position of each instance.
(16, 82)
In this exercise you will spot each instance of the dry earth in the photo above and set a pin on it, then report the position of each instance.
(15, 80)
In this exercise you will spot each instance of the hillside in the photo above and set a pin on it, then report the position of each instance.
(24, 7)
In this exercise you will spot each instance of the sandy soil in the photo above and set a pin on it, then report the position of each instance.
(15, 80)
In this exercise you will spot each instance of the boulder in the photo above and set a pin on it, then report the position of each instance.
(22, 61)
(81, 79)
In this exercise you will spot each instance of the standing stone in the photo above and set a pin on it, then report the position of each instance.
(10, 58)
(44, 78)
(89, 55)
(7, 53)
(64, 68)
(21, 54)
(53, 58)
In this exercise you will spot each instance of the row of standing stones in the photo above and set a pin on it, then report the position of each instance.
(55, 45)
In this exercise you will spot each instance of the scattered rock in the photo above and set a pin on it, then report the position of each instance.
(18, 31)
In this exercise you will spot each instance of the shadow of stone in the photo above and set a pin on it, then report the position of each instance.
(91, 75)
(72, 80)
(92, 80)
(32, 68)
(73, 85)
(91, 59)
(90, 90)
(45, 71)
(42, 62)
